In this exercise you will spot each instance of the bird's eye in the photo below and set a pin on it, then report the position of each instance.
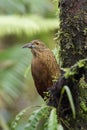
(37, 43)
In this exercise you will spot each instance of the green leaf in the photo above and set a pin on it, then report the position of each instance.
(60, 127)
(13, 65)
(36, 116)
(52, 121)
(66, 88)
(19, 117)
(27, 71)
(20, 26)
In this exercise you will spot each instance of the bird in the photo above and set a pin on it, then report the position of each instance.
(44, 66)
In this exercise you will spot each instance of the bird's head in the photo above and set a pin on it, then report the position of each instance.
(36, 47)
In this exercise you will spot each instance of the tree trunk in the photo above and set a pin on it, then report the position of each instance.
(72, 39)
(73, 31)
(73, 44)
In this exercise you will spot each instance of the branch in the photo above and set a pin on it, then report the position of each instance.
(70, 78)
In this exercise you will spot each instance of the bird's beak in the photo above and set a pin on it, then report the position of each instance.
(29, 45)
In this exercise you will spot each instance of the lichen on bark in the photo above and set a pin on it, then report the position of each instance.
(72, 39)
(73, 31)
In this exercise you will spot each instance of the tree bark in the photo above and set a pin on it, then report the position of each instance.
(73, 31)
(73, 44)
(72, 39)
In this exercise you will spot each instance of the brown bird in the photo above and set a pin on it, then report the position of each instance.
(44, 66)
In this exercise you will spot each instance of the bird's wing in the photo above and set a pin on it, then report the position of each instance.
(41, 76)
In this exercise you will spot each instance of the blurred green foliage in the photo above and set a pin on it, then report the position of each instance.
(44, 117)
(41, 7)
(21, 21)
(16, 25)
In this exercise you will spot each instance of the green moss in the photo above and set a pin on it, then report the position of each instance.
(82, 63)
(69, 73)
(74, 69)
(83, 106)
(72, 37)
(83, 84)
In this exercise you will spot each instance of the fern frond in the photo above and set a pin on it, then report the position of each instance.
(19, 117)
(52, 121)
(36, 116)
(15, 25)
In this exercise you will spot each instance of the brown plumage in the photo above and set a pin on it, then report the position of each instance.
(44, 66)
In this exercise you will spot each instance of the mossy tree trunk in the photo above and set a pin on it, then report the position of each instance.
(73, 47)
(73, 31)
